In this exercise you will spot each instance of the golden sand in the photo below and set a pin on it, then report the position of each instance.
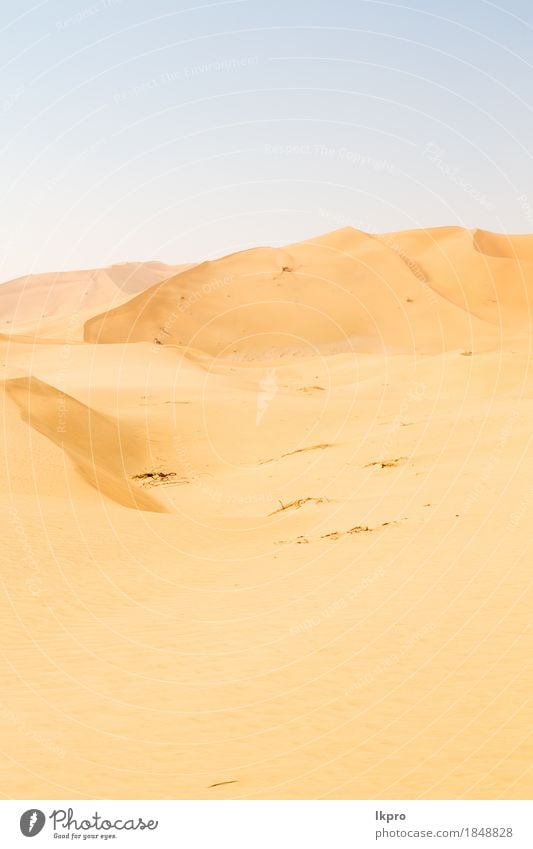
(266, 524)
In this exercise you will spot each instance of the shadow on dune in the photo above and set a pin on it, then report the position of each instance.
(103, 451)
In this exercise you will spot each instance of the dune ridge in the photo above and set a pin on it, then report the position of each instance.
(265, 523)
(346, 291)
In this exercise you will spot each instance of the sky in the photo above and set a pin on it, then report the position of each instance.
(182, 130)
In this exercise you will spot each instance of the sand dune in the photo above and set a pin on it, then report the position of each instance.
(489, 275)
(33, 304)
(266, 523)
(428, 291)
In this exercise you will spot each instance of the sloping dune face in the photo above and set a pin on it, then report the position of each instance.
(265, 524)
(102, 449)
(487, 275)
(517, 248)
(348, 291)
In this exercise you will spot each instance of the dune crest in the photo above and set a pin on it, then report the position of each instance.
(428, 292)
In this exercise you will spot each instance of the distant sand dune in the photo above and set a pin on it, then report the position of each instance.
(34, 304)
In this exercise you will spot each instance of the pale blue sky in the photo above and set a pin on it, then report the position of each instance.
(183, 130)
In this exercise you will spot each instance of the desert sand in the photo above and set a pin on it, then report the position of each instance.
(267, 524)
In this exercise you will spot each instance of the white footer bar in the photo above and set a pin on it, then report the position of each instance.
(268, 824)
